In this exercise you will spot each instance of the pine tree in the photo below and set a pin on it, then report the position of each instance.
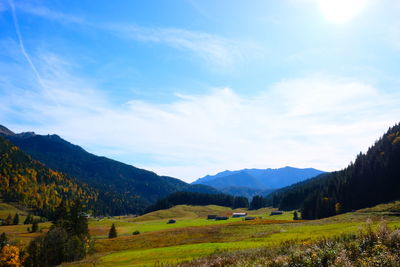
(29, 219)
(3, 240)
(113, 232)
(35, 227)
(295, 215)
(16, 219)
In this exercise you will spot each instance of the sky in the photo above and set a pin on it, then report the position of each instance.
(187, 88)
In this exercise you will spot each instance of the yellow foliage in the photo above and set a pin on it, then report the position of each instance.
(9, 257)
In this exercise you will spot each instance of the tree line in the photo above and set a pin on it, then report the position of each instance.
(373, 178)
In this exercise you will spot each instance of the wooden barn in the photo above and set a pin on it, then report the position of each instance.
(238, 214)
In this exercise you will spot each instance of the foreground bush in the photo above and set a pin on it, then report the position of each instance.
(380, 247)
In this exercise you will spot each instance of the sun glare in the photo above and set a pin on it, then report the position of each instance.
(341, 11)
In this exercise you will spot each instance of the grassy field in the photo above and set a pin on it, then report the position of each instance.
(193, 236)
(185, 216)
(18, 233)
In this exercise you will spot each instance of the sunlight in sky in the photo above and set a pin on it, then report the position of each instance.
(341, 11)
(191, 91)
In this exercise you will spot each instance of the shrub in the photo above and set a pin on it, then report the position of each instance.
(136, 232)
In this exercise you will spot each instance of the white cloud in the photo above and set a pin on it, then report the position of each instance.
(318, 121)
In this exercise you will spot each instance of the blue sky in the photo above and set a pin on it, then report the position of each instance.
(189, 88)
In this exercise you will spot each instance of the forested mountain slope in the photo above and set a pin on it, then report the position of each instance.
(372, 179)
(127, 189)
(31, 184)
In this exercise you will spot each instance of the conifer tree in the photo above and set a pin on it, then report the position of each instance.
(35, 227)
(29, 219)
(16, 219)
(295, 215)
(113, 232)
(3, 240)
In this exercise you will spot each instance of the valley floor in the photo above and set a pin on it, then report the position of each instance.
(193, 236)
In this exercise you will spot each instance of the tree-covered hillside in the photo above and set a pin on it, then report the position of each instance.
(122, 188)
(32, 185)
(373, 178)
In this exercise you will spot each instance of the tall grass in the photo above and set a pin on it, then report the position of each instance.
(370, 247)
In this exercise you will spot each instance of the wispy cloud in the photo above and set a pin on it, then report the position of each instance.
(46, 13)
(218, 52)
(22, 47)
(317, 121)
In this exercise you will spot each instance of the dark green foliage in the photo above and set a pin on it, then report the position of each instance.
(29, 219)
(136, 232)
(68, 239)
(295, 215)
(240, 202)
(122, 189)
(35, 226)
(186, 198)
(16, 219)
(113, 232)
(372, 179)
(3, 240)
(257, 202)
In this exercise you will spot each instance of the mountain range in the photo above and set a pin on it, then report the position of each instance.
(250, 182)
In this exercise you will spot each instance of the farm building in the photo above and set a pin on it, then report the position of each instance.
(276, 212)
(238, 214)
(211, 217)
(220, 218)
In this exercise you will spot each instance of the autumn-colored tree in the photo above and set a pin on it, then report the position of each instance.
(113, 232)
(7, 221)
(338, 208)
(10, 256)
(30, 184)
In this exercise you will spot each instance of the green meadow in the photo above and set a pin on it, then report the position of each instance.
(193, 236)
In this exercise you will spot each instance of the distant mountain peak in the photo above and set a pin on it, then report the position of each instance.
(5, 131)
(26, 134)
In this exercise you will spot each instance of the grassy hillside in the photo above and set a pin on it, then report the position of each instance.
(19, 232)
